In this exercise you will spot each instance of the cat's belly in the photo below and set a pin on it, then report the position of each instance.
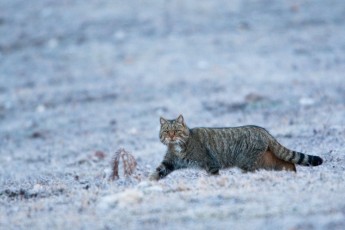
(186, 163)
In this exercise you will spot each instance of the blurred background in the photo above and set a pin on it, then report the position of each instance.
(83, 76)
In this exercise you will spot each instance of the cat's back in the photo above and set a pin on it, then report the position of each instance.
(220, 138)
(227, 142)
(209, 132)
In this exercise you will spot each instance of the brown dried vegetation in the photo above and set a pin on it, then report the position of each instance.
(128, 161)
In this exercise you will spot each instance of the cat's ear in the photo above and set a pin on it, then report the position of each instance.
(180, 119)
(162, 120)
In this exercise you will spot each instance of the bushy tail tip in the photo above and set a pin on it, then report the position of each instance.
(315, 161)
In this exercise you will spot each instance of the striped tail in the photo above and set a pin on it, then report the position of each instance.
(292, 156)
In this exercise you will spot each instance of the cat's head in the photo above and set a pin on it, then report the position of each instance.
(173, 131)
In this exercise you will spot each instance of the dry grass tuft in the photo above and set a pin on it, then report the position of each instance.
(128, 161)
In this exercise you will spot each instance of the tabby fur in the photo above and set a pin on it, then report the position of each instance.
(247, 147)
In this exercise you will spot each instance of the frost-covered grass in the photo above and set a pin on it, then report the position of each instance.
(80, 80)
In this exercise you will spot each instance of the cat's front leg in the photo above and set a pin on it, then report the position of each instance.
(213, 171)
(162, 170)
(212, 165)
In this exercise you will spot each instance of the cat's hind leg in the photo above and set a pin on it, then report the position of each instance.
(269, 161)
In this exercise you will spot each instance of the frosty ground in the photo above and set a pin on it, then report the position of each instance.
(81, 79)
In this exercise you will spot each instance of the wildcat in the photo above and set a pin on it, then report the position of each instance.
(247, 147)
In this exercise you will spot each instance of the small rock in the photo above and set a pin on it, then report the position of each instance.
(100, 155)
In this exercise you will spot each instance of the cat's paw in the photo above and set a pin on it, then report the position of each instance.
(154, 176)
(214, 172)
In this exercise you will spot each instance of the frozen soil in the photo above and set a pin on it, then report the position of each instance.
(81, 79)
